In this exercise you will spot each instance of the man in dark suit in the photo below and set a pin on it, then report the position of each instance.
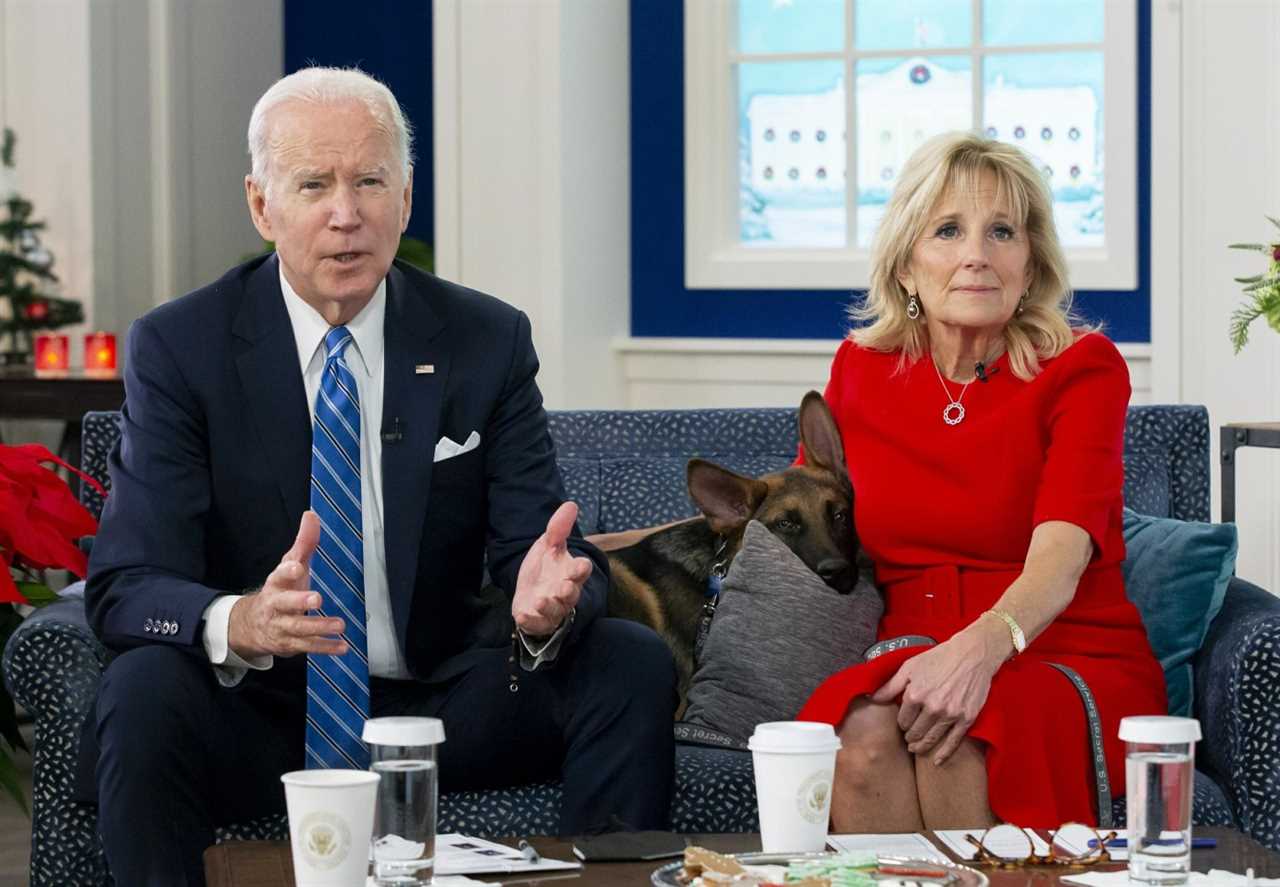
(322, 452)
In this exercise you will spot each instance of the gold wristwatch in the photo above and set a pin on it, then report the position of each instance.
(1015, 630)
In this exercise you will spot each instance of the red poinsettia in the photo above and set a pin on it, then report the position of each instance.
(39, 518)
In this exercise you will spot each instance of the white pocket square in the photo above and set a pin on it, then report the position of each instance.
(447, 448)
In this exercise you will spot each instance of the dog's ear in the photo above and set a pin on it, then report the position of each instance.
(726, 499)
(820, 435)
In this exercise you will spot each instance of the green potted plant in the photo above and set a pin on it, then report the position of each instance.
(1262, 289)
(40, 521)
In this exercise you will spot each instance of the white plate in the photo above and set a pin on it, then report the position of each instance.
(961, 875)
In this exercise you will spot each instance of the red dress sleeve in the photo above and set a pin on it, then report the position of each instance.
(1083, 478)
(834, 389)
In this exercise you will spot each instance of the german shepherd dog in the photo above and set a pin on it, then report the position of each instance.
(662, 580)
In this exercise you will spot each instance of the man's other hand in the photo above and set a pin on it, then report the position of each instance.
(550, 579)
(273, 620)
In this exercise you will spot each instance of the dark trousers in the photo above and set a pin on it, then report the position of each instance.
(180, 755)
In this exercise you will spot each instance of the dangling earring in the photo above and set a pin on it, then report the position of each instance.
(1022, 303)
(913, 307)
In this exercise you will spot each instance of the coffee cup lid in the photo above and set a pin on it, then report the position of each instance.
(793, 737)
(1159, 730)
(403, 731)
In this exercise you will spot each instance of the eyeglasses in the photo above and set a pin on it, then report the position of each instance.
(1010, 846)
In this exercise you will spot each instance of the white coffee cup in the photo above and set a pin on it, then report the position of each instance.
(330, 823)
(794, 765)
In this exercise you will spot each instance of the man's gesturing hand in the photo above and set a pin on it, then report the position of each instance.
(274, 619)
(550, 579)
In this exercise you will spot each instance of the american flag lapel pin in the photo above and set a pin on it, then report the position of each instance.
(424, 369)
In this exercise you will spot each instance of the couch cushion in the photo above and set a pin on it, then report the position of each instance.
(778, 632)
(645, 491)
(1146, 482)
(1176, 573)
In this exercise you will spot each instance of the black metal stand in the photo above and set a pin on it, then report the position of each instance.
(1232, 437)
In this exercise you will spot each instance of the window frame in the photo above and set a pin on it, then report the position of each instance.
(715, 258)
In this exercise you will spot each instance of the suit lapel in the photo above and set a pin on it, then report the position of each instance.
(267, 362)
(414, 398)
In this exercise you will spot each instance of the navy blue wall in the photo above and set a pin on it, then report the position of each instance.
(390, 39)
(660, 304)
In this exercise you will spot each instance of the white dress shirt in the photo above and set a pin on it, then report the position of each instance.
(364, 357)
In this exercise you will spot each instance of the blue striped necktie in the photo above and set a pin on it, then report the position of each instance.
(338, 686)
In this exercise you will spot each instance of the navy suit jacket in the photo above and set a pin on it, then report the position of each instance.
(212, 473)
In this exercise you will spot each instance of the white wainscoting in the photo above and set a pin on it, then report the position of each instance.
(684, 373)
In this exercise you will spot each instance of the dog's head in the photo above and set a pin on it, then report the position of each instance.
(809, 507)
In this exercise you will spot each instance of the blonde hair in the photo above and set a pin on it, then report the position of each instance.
(1045, 327)
(328, 86)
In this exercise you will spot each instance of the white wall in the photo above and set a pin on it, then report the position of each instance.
(1228, 94)
(532, 178)
(130, 117)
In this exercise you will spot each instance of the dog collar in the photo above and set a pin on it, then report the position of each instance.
(718, 571)
(713, 586)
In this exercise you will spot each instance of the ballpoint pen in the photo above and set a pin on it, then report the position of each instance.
(1196, 843)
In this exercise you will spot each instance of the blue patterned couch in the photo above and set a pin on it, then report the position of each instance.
(627, 470)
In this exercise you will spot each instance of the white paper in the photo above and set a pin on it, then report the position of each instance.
(462, 855)
(955, 839)
(1214, 878)
(910, 846)
(444, 881)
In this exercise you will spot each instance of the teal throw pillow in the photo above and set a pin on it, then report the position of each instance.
(1176, 573)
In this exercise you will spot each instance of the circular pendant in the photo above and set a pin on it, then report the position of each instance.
(953, 413)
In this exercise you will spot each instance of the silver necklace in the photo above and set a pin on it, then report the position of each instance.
(953, 412)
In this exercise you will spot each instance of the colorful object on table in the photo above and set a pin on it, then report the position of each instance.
(53, 355)
(1263, 291)
(100, 354)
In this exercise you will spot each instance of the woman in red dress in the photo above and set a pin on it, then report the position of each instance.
(983, 430)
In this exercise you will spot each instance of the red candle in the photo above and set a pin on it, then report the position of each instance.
(53, 355)
(100, 354)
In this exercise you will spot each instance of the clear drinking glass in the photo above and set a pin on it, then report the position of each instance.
(1159, 777)
(403, 751)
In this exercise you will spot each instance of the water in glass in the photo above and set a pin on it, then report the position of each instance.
(1159, 809)
(404, 826)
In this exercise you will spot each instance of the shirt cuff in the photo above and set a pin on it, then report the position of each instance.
(229, 668)
(536, 651)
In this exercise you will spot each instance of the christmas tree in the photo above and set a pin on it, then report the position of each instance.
(26, 302)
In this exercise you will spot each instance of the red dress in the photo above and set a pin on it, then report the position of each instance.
(946, 513)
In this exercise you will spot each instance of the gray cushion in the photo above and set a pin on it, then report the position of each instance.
(778, 632)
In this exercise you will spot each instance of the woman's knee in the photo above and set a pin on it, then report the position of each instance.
(871, 745)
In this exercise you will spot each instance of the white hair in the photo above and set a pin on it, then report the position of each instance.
(328, 86)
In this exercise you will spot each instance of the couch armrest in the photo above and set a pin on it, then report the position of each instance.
(52, 665)
(1237, 689)
(53, 661)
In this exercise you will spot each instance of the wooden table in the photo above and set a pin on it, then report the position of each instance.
(63, 400)
(267, 863)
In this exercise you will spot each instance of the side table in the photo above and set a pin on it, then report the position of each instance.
(64, 399)
(1232, 437)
